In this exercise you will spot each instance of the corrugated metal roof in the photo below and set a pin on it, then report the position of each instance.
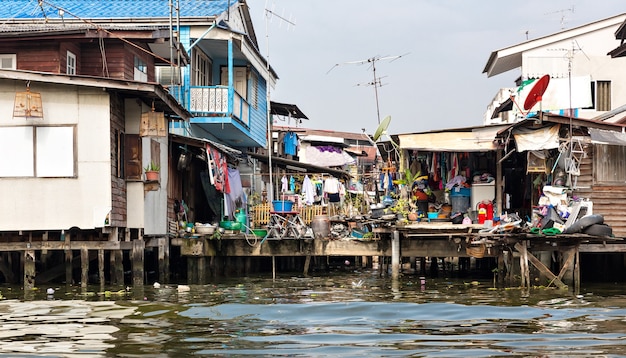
(97, 9)
(66, 28)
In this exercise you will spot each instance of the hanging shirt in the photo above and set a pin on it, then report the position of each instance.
(331, 185)
(308, 190)
(283, 181)
(291, 143)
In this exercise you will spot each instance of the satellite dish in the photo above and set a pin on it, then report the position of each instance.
(382, 128)
(534, 96)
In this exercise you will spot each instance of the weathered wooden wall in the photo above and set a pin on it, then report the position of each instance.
(608, 200)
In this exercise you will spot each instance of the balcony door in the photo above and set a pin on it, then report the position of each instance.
(240, 78)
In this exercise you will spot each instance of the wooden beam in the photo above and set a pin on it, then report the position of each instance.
(64, 245)
(566, 264)
(602, 248)
(541, 267)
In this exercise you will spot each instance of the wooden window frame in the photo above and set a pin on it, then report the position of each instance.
(71, 64)
(12, 57)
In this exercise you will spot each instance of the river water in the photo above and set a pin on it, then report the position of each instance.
(349, 314)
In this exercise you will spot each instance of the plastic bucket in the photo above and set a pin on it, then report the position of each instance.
(282, 205)
(460, 203)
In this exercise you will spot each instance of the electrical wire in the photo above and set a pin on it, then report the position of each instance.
(99, 28)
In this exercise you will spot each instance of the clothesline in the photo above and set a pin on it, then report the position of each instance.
(290, 173)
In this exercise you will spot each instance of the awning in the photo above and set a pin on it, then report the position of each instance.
(471, 140)
(313, 169)
(536, 139)
(201, 143)
(601, 136)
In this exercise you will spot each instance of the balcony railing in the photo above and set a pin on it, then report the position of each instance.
(211, 100)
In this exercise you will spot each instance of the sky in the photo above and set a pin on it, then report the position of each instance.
(438, 80)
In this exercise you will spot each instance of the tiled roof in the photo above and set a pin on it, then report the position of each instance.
(104, 9)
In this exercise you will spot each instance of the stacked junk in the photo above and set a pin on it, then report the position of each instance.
(559, 214)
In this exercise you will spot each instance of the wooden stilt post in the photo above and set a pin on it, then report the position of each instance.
(501, 268)
(395, 254)
(307, 263)
(523, 262)
(577, 271)
(164, 259)
(137, 262)
(44, 252)
(540, 266)
(29, 270)
(117, 267)
(84, 266)
(192, 269)
(101, 277)
(201, 270)
(273, 267)
(69, 280)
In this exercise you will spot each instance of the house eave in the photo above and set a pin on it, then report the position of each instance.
(149, 90)
(509, 58)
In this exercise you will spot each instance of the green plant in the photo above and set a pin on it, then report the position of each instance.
(152, 167)
(401, 207)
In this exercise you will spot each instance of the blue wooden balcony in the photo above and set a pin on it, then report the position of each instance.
(219, 112)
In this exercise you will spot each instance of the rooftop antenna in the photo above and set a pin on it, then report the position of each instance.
(269, 15)
(376, 81)
(575, 149)
(562, 12)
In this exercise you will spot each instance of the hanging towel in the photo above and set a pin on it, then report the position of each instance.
(308, 190)
(435, 168)
(292, 183)
(236, 192)
(218, 168)
(283, 181)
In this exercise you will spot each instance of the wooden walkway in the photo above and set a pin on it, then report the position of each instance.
(432, 240)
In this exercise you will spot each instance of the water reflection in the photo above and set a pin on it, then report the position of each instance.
(351, 314)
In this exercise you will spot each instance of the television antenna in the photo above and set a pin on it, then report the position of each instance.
(562, 12)
(269, 14)
(376, 81)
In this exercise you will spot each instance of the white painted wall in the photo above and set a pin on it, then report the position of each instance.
(60, 203)
(588, 55)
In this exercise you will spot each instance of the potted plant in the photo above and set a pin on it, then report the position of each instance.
(152, 171)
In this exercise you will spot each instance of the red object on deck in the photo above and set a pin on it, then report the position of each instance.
(485, 211)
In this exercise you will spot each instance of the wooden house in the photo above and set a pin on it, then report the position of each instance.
(123, 84)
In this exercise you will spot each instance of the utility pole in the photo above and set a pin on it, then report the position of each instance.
(270, 147)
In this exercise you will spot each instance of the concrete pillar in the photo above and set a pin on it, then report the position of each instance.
(395, 254)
